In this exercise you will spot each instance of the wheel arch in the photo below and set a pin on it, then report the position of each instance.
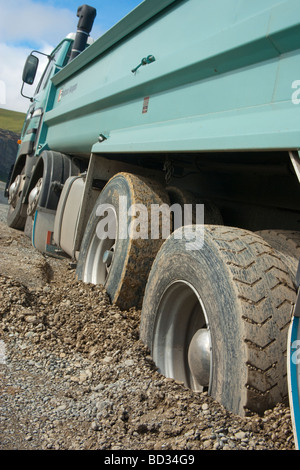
(17, 168)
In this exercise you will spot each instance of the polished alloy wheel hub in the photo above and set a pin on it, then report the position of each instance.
(13, 190)
(34, 197)
(199, 356)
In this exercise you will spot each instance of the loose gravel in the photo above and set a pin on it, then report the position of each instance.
(74, 374)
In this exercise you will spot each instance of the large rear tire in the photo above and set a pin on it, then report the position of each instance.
(217, 318)
(287, 245)
(121, 263)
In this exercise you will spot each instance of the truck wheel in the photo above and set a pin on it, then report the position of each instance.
(216, 318)
(287, 245)
(121, 260)
(15, 215)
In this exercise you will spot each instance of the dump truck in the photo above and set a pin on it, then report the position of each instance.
(162, 159)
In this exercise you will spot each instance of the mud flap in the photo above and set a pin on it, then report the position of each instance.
(293, 366)
(42, 231)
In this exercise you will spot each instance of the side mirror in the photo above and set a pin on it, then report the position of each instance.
(30, 69)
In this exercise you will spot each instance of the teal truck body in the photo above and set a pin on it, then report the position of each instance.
(221, 80)
(181, 102)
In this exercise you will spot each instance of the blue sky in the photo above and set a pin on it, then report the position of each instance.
(41, 24)
(108, 11)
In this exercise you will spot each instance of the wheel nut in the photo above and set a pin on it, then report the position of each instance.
(107, 257)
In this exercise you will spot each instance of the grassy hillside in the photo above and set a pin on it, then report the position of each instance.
(11, 123)
(11, 120)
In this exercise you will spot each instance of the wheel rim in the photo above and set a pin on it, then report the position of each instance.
(100, 253)
(33, 197)
(182, 340)
(15, 190)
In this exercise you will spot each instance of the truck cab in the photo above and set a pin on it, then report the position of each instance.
(32, 130)
(33, 133)
(41, 100)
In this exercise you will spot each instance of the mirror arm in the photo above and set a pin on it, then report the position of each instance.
(32, 52)
(42, 53)
(29, 97)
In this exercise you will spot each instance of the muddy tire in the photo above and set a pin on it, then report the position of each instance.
(121, 262)
(217, 317)
(16, 215)
(287, 245)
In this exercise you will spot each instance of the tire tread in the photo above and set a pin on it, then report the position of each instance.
(266, 295)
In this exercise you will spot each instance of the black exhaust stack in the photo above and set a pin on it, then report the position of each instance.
(86, 15)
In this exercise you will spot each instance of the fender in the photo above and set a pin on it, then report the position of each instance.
(51, 172)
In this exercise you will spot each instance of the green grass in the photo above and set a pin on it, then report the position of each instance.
(11, 120)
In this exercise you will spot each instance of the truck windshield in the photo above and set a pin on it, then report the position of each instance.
(55, 61)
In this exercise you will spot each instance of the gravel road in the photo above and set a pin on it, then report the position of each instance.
(74, 374)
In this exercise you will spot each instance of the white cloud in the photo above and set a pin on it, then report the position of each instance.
(27, 25)
(25, 20)
(12, 60)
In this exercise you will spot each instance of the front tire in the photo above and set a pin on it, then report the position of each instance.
(16, 215)
(216, 318)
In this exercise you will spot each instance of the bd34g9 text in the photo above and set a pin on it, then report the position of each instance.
(150, 459)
